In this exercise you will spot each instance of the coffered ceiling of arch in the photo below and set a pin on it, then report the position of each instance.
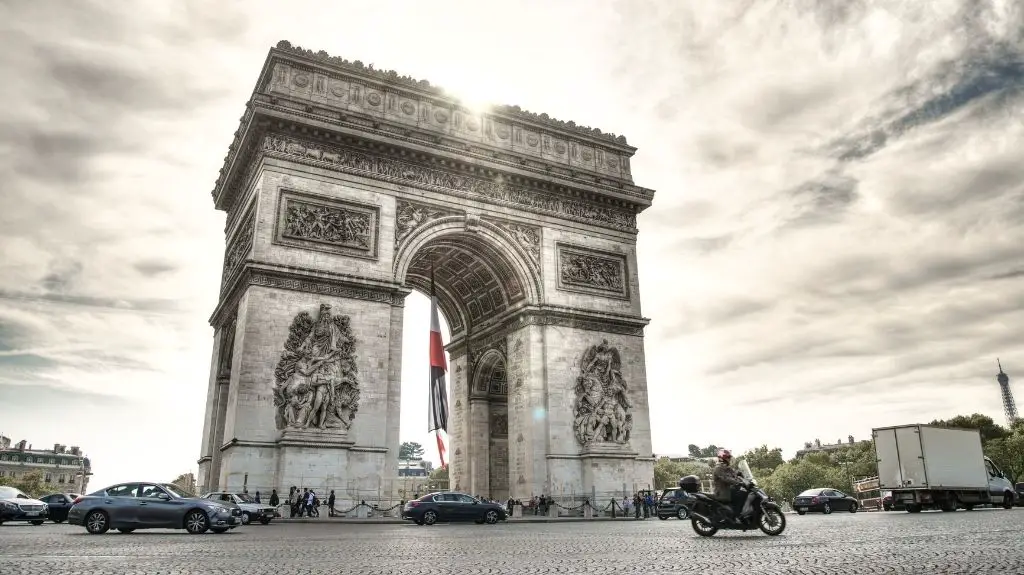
(471, 277)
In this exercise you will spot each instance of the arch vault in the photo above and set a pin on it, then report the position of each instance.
(345, 188)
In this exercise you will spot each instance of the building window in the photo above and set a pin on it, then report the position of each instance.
(60, 479)
(39, 460)
(13, 475)
(49, 478)
(3, 458)
(51, 461)
(2, 472)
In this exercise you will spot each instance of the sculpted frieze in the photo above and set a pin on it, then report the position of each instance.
(602, 407)
(589, 271)
(326, 224)
(403, 172)
(239, 246)
(316, 384)
(527, 237)
(410, 216)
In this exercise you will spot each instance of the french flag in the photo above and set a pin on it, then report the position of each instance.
(438, 388)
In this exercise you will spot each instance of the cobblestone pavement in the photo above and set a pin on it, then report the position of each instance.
(988, 541)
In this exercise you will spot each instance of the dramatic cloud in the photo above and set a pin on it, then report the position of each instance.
(836, 241)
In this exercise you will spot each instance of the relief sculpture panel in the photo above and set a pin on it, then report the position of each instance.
(590, 271)
(602, 408)
(316, 384)
(324, 224)
(410, 216)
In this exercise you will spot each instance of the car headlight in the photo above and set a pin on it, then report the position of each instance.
(9, 506)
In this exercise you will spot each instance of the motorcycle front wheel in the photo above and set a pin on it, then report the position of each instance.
(703, 529)
(773, 521)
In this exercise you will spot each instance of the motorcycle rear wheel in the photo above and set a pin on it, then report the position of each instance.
(772, 521)
(703, 529)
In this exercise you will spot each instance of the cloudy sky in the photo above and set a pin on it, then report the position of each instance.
(837, 241)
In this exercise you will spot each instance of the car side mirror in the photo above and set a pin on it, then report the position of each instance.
(163, 496)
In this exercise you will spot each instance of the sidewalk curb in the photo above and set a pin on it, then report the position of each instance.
(396, 521)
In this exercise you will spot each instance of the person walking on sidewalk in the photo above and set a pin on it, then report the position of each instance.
(330, 504)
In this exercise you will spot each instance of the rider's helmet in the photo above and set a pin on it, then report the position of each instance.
(724, 456)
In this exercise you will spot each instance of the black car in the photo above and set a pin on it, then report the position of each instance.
(824, 500)
(15, 505)
(450, 507)
(59, 504)
(1020, 494)
(671, 504)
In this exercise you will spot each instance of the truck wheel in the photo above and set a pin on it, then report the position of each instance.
(968, 507)
(913, 508)
(950, 502)
(1007, 500)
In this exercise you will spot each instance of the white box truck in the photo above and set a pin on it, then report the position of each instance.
(926, 466)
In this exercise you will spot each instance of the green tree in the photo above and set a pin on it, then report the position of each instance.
(1008, 454)
(187, 482)
(668, 472)
(709, 451)
(31, 483)
(694, 450)
(989, 429)
(410, 450)
(763, 461)
(790, 479)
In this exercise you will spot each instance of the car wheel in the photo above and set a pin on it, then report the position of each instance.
(827, 509)
(266, 520)
(801, 513)
(196, 522)
(97, 523)
(663, 517)
(36, 522)
(429, 518)
(853, 508)
(125, 530)
(683, 513)
(246, 518)
(1007, 500)
(491, 517)
(220, 530)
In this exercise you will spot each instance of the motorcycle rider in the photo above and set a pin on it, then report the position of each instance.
(729, 484)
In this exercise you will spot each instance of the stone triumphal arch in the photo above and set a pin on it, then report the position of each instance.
(345, 187)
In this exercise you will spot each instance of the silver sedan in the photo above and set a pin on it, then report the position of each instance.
(130, 506)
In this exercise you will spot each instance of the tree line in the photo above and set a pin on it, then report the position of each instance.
(841, 467)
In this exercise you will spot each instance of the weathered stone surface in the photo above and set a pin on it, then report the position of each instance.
(983, 542)
(534, 263)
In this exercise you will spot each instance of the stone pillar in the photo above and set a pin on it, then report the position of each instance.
(527, 414)
(458, 471)
(394, 407)
(479, 446)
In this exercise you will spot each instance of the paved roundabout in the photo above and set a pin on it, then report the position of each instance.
(989, 541)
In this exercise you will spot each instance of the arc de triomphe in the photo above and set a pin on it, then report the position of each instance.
(344, 186)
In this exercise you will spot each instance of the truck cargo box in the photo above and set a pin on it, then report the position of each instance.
(928, 457)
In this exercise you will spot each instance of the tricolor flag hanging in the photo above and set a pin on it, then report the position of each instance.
(438, 367)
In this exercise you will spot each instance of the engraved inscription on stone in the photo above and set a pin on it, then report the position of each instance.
(602, 408)
(327, 225)
(411, 216)
(589, 271)
(316, 384)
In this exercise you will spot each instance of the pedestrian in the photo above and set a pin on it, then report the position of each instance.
(274, 499)
(330, 504)
(258, 497)
(637, 504)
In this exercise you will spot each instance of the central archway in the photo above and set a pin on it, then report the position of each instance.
(481, 278)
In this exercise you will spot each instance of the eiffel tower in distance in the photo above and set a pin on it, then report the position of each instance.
(1009, 407)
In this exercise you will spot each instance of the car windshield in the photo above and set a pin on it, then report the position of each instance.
(176, 491)
(245, 497)
(810, 492)
(11, 493)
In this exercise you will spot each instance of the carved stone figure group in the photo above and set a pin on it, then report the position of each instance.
(316, 384)
(327, 224)
(591, 271)
(602, 406)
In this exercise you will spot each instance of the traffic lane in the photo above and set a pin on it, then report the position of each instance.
(981, 541)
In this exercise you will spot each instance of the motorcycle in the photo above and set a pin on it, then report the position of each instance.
(708, 515)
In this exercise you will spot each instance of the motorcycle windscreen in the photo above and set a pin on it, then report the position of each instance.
(745, 470)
